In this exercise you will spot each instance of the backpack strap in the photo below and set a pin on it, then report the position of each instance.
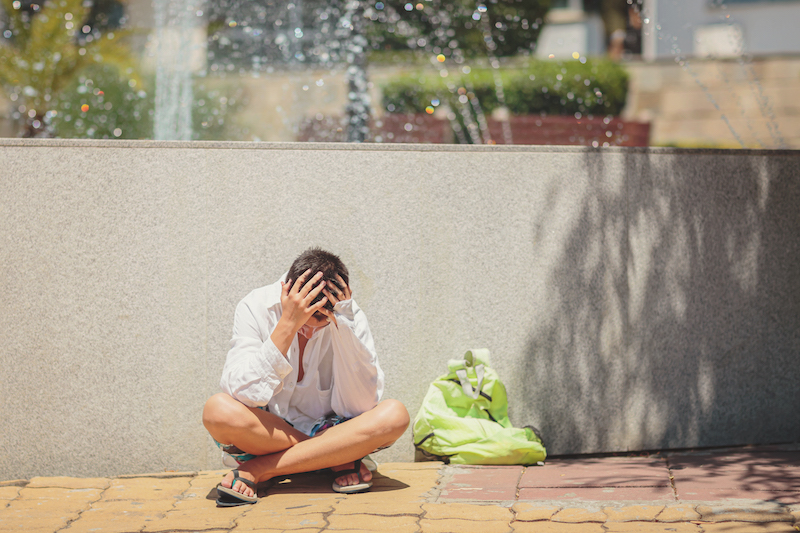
(467, 386)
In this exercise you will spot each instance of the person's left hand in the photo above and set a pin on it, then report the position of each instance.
(336, 292)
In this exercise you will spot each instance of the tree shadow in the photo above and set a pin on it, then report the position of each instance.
(671, 303)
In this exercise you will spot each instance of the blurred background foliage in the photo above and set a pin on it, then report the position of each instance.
(48, 46)
(458, 28)
(592, 87)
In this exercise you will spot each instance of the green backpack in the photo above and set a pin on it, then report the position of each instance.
(464, 418)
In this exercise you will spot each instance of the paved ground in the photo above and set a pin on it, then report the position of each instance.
(734, 491)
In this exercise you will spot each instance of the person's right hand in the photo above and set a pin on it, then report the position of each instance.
(297, 298)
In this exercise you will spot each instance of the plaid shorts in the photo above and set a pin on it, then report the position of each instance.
(240, 457)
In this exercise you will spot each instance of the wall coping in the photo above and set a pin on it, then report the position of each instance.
(375, 147)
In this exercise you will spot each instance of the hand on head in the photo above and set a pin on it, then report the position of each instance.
(297, 299)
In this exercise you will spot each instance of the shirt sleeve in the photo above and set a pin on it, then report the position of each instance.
(357, 377)
(254, 369)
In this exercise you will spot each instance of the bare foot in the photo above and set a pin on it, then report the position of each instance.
(352, 479)
(239, 487)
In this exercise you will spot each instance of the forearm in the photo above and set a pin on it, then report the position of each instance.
(283, 336)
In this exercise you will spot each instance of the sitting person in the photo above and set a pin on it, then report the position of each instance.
(301, 384)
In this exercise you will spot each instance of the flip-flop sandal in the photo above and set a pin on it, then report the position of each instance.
(352, 489)
(230, 498)
(370, 463)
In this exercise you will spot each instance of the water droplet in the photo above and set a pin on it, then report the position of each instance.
(379, 6)
(420, 7)
(408, 7)
(476, 16)
(482, 8)
(408, 127)
(575, 55)
(435, 102)
(232, 24)
(118, 131)
(551, 56)
(466, 70)
(440, 58)
(85, 108)
(429, 110)
(16, 4)
(305, 87)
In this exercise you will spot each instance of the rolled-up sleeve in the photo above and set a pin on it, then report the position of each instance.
(254, 369)
(357, 377)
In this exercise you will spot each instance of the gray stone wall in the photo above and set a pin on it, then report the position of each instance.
(632, 299)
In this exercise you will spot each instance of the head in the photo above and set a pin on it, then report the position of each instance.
(319, 260)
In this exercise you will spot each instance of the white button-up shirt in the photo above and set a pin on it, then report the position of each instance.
(341, 374)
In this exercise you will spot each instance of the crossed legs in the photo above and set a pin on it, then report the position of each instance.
(282, 450)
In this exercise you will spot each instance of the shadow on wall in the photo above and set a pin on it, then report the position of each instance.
(671, 307)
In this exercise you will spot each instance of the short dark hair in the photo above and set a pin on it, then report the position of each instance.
(318, 260)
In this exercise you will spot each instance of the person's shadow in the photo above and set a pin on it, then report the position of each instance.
(314, 483)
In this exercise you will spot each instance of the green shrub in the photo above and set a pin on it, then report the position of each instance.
(596, 87)
(118, 107)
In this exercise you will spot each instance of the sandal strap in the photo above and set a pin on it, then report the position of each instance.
(247, 482)
(355, 470)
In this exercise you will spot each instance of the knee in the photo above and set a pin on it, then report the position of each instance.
(220, 411)
(394, 417)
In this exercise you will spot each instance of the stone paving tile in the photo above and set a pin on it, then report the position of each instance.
(598, 472)
(399, 524)
(194, 520)
(555, 527)
(69, 482)
(650, 527)
(649, 494)
(766, 512)
(451, 525)
(696, 492)
(746, 471)
(533, 511)
(301, 530)
(38, 514)
(9, 493)
(119, 516)
(747, 527)
(39, 525)
(281, 521)
(64, 495)
(426, 465)
(382, 507)
(487, 483)
(579, 514)
(147, 488)
(463, 511)
(633, 513)
(678, 512)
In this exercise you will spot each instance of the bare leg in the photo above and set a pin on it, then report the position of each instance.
(294, 452)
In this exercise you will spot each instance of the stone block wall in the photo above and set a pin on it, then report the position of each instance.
(631, 298)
